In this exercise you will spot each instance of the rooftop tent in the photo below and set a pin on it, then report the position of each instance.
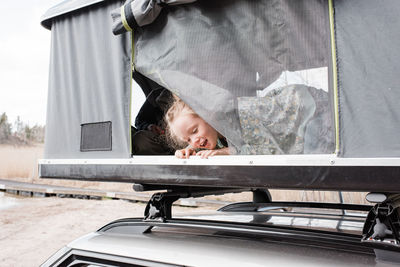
(294, 86)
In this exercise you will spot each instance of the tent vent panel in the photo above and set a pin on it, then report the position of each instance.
(96, 136)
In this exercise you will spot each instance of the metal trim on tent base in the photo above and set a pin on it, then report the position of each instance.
(302, 173)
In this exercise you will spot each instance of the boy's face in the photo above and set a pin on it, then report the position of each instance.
(195, 131)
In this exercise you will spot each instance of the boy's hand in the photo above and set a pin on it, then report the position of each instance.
(185, 153)
(204, 154)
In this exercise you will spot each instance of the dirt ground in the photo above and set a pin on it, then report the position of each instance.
(32, 229)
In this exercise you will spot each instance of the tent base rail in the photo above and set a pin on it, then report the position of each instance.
(272, 172)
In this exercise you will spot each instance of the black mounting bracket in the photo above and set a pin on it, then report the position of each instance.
(382, 226)
(159, 206)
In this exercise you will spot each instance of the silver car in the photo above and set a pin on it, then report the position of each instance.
(240, 234)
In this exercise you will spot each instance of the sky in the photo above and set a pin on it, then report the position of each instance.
(24, 60)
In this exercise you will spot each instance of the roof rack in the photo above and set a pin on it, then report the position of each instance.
(381, 228)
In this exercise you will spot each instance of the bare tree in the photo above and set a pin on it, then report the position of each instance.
(21, 133)
(5, 128)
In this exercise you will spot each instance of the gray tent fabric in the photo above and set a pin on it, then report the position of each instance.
(368, 53)
(89, 87)
(223, 56)
(137, 13)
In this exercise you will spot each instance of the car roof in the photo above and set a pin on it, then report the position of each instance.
(235, 238)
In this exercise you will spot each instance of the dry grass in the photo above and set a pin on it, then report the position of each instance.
(20, 163)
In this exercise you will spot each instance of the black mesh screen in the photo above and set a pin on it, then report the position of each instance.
(96, 136)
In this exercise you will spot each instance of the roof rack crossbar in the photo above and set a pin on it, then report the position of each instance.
(252, 206)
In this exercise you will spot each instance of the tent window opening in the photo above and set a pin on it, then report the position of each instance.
(292, 115)
(253, 71)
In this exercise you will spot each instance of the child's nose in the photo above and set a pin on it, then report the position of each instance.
(196, 141)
